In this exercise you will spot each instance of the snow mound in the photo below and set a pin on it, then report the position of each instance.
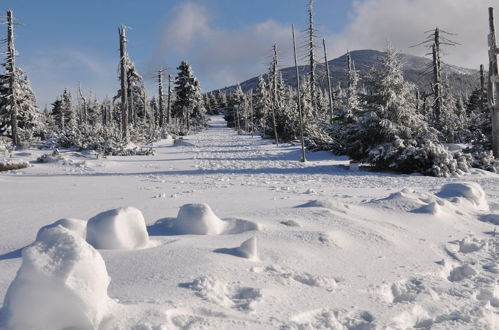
(62, 283)
(78, 227)
(122, 228)
(465, 194)
(328, 204)
(470, 244)
(248, 249)
(198, 219)
(404, 200)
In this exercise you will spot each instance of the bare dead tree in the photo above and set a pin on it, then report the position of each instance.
(169, 101)
(83, 110)
(311, 52)
(10, 70)
(123, 79)
(300, 112)
(329, 88)
(493, 84)
(275, 63)
(435, 39)
(161, 98)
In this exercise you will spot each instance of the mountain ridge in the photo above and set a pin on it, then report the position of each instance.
(462, 81)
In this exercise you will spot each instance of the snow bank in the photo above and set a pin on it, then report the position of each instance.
(467, 194)
(78, 227)
(198, 219)
(62, 283)
(122, 228)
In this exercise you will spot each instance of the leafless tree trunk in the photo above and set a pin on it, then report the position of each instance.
(275, 62)
(83, 110)
(160, 99)
(123, 79)
(437, 78)
(300, 113)
(10, 69)
(482, 87)
(329, 88)
(311, 54)
(169, 105)
(493, 86)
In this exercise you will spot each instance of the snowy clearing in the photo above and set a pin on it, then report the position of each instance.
(272, 244)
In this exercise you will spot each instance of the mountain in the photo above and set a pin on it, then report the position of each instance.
(417, 70)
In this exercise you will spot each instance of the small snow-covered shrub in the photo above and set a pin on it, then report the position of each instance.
(409, 156)
(9, 165)
(104, 140)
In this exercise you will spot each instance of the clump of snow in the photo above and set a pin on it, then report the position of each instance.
(291, 223)
(218, 292)
(433, 208)
(467, 194)
(62, 283)
(198, 219)
(122, 228)
(78, 227)
(462, 272)
(470, 244)
(249, 249)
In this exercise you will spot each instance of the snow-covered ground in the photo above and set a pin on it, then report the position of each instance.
(266, 242)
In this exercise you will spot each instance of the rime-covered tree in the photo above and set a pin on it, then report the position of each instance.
(188, 107)
(18, 112)
(391, 135)
(262, 105)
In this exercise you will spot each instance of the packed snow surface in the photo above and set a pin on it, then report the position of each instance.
(122, 228)
(337, 249)
(62, 283)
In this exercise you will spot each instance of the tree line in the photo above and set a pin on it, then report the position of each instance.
(387, 122)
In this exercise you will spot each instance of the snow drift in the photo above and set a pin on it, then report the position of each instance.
(198, 219)
(467, 194)
(122, 228)
(62, 283)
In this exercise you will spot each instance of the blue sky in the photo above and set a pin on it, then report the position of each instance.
(62, 43)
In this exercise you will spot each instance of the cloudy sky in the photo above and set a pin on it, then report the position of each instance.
(63, 43)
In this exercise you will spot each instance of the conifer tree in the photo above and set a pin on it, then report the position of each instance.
(188, 107)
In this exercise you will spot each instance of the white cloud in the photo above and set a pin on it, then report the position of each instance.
(223, 57)
(404, 22)
(219, 56)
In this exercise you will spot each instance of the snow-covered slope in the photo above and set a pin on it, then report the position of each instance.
(297, 246)
(415, 68)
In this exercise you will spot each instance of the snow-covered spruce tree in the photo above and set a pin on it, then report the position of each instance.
(19, 116)
(391, 135)
(63, 112)
(235, 109)
(262, 104)
(28, 118)
(188, 107)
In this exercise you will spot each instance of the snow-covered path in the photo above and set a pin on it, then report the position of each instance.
(338, 248)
